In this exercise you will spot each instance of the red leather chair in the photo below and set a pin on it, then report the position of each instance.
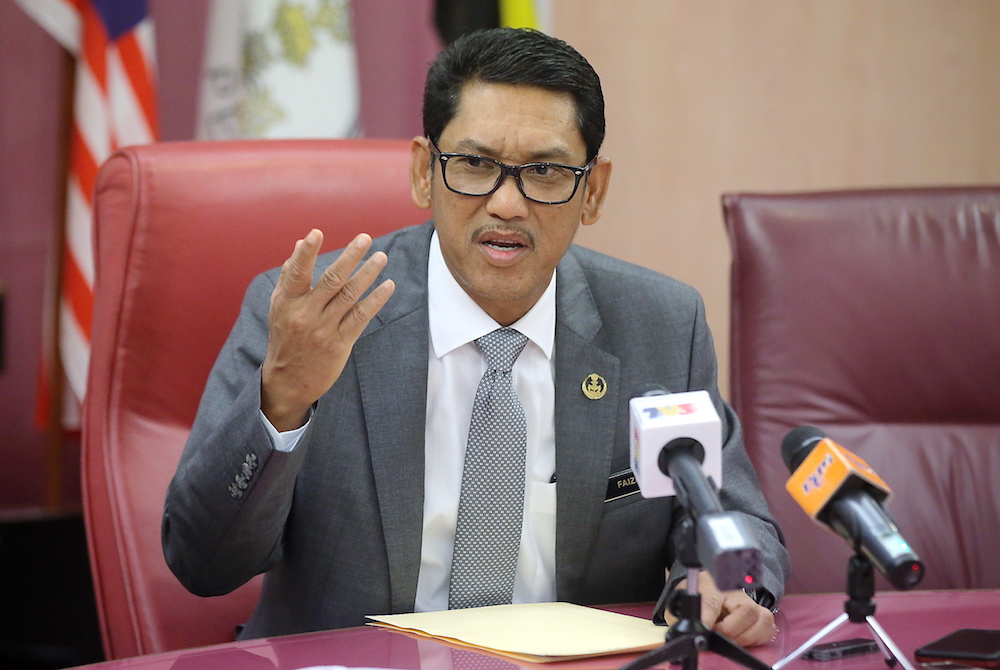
(875, 315)
(180, 229)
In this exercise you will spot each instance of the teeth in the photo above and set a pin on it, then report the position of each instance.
(503, 245)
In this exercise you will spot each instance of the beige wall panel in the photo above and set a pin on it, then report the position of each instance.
(711, 96)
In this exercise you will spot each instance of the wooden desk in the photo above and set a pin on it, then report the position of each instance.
(910, 619)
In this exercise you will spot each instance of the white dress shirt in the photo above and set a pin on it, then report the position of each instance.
(454, 369)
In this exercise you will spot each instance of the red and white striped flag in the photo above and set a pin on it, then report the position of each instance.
(114, 105)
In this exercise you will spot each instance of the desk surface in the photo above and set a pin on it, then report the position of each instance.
(910, 619)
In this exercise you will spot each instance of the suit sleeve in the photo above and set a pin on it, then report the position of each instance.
(228, 502)
(740, 490)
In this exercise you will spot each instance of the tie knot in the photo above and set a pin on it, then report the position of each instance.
(502, 347)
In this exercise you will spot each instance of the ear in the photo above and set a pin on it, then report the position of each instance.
(420, 172)
(595, 191)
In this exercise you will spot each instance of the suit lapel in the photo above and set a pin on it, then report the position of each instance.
(584, 427)
(392, 373)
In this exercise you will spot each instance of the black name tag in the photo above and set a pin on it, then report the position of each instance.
(621, 484)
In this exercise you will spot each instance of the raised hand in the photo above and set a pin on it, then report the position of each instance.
(312, 329)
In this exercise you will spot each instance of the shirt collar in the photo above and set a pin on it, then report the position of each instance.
(456, 319)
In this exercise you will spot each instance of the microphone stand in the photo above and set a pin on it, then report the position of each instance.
(689, 636)
(859, 608)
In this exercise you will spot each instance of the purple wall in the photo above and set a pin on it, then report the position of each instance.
(395, 42)
(31, 65)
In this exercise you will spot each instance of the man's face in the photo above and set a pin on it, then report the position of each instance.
(502, 248)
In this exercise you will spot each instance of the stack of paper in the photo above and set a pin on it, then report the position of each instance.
(538, 632)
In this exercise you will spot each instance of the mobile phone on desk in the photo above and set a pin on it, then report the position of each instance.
(975, 647)
(831, 651)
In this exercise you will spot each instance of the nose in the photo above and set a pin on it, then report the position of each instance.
(507, 202)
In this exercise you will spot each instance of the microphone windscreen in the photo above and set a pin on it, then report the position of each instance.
(656, 421)
(797, 445)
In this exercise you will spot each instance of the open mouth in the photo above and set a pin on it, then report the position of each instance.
(504, 240)
(503, 245)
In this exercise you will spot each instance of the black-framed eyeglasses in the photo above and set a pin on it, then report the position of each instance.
(545, 183)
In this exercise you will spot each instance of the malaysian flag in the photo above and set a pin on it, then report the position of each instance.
(114, 105)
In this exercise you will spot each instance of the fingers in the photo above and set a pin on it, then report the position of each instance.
(711, 608)
(312, 329)
(296, 273)
(745, 622)
(712, 599)
(362, 312)
(341, 273)
(734, 613)
(341, 285)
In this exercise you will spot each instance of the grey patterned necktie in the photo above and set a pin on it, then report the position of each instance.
(491, 505)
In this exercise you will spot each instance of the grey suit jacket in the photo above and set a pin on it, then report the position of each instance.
(336, 523)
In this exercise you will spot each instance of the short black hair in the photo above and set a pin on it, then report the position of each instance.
(517, 56)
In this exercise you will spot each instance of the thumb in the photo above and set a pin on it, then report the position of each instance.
(712, 600)
(711, 608)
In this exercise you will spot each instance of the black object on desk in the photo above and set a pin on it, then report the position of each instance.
(970, 646)
(832, 651)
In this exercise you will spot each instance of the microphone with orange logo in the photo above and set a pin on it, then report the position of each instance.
(840, 491)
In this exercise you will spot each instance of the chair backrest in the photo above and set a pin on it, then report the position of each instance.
(180, 230)
(875, 316)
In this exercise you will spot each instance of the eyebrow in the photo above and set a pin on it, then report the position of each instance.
(554, 154)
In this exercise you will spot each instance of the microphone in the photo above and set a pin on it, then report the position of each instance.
(657, 418)
(675, 440)
(837, 489)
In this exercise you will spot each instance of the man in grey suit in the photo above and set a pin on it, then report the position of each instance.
(328, 449)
